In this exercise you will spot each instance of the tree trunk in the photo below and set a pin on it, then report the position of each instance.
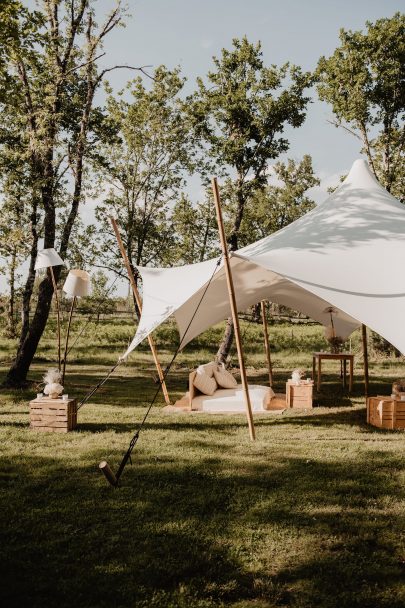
(18, 372)
(227, 340)
(29, 284)
(11, 301)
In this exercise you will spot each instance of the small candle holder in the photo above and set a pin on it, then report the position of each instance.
(65, 397)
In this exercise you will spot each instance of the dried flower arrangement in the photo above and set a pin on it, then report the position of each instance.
(297, 374)
(52, 380)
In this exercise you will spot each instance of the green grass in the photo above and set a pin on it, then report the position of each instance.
(311, 514)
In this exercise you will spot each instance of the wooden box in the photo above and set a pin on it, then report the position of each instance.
(299, 395)
(54, 415)
(386, 413)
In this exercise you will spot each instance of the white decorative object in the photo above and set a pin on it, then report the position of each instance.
(65, 397)
(77, 284)
(52, 379)
(47, 258)
(40, 395)
(296, 376)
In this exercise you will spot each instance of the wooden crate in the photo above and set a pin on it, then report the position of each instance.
(53, 415)
(386, 413)
(299, 396)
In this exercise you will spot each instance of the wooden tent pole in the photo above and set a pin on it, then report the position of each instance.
(365, 357)
(139, 304)
(55, 289)
(234, 310)
(67, 339)
(266, 341)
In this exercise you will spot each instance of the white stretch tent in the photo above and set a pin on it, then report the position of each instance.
(347, 252)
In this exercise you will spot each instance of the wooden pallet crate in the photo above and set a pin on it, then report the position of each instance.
(386, 413)
(53, 415)
(299, 395)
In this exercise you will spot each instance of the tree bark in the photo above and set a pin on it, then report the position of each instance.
(227, 340)
(11, 301)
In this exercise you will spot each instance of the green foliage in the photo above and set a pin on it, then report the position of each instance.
(240, 114)
(195, 229)
(100, 301)
(145, 167)
(364, 83)
(278, 205)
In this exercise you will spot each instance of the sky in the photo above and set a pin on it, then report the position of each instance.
(187, 33)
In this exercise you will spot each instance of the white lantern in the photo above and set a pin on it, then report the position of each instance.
(77, 284)
(48, 258)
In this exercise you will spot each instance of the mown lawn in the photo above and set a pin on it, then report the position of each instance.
(311, 514)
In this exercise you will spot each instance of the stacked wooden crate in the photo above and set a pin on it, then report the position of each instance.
(386, 412)
(53, 415)
(299, 395)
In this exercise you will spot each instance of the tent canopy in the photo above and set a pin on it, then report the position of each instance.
(343, 253)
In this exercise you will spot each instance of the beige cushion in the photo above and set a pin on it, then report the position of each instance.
(207, 368)
(224, 378)
(205, 384)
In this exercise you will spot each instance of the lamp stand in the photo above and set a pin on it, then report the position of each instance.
(55, 289)
(67, 339)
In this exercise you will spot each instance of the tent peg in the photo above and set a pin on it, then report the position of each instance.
(111, 478)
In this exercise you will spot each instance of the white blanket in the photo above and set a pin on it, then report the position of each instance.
(233, 399)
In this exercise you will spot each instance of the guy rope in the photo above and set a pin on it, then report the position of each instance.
(105, 468)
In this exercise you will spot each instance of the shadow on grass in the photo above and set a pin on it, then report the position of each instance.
(185, 533)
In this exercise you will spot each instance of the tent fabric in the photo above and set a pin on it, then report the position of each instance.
(343, 253)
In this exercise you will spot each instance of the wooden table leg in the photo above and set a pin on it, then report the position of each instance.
(313, 368)
(351, 375)
(318, 386)
(344, 372)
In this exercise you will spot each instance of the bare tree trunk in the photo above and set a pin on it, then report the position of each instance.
(11, 301)
(29, 284)
(227, 340)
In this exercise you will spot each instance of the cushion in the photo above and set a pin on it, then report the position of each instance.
(205, 384)
(207, 368)
(224, 378)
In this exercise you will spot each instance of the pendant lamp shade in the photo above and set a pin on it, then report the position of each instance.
(77, 284)
(47, 258)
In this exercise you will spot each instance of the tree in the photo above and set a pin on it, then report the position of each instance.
(49, 78)
(100, 301)
(279, 204)
(240, 115)
(194, 227)
(364, 83)
(14, 245)
(144, 167)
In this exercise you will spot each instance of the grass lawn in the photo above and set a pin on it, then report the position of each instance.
(311, 514)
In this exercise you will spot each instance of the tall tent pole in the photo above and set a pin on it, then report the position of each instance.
(55, 289)
(266, 341)
(365, 357)
(139, 304)
(234, 310)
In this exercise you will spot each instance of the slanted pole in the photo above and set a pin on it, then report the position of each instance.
(266, 341)
(365, 357)
(234, 310)
(67, 339)
(55, 289)
(139, 304)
